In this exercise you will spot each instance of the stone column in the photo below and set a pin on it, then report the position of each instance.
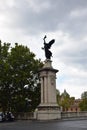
(48, 108)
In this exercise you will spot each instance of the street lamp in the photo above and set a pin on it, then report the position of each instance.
(28, 101)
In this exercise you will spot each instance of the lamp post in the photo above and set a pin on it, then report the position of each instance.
(28, 101)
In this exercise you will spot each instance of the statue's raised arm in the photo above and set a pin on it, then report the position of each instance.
(47, 46)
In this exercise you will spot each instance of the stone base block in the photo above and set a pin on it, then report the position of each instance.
(48, 113)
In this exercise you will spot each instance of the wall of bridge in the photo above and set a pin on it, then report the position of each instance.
(72, 115)
(64, 115)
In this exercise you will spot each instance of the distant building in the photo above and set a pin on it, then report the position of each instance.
(69, 104)
(75, 106)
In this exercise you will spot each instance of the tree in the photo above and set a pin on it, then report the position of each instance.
(4, 74)
(84, 95)
(83, 103)
(65, 101)
(20, 69)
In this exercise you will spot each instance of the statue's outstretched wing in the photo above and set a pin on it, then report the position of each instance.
(50, 43)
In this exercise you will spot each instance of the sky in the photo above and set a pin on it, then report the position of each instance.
(27, 21)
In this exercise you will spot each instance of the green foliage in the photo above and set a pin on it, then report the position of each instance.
(65, 103)
(18, 67)
(4, 74)
(83, 104)
(84, 95)
(64, 100)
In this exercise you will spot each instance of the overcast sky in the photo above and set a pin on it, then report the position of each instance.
(27, 21)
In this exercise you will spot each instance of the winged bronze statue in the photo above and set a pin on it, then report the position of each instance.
(47, 46)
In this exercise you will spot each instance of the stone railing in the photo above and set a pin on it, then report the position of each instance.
(64, 115)
(24, 116)
(72, 115)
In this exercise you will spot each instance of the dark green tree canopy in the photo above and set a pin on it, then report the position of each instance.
(18, 68)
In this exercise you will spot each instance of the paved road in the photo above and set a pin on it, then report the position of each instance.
(46, 125)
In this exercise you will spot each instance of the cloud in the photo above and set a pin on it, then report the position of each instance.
(27, 21)
(71, 51)
(38, 6)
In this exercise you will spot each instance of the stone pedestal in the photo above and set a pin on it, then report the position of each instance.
(48, 108)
